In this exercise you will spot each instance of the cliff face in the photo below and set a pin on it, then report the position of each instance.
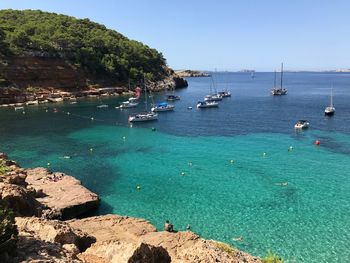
(26, 71)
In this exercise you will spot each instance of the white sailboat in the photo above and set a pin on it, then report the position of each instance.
(330, 110)
(275, 91)
(212, 96)
(144, 116)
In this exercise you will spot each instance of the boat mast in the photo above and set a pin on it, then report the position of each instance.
(281, 75)
(332, 96)
(144, 84)
(274, 82)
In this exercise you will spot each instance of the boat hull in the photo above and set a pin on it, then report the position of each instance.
(162, 109)
(143, 117)
(207, 105)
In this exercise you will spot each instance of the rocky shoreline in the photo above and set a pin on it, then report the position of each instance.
(17, 97)
(41, 200)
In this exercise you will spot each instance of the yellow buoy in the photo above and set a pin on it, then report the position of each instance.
(138, 188)
(232, 161)
(183, 173)
(264, 154)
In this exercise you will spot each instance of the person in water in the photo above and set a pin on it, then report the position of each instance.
(168, 226)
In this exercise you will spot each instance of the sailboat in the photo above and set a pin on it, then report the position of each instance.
(275, 91)
(144, 116)
(330, 110)
(212, 96)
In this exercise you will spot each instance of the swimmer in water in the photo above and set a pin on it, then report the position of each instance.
(240, 238)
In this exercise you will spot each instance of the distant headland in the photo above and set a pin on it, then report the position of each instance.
(191, 73)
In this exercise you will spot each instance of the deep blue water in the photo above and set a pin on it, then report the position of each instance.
(185, 170)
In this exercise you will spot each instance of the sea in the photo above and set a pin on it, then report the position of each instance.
(239, 170)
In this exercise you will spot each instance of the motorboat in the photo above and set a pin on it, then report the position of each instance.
(207, 104)
(172, 98)
(146, 116)
(19, 108)
(130, 103)
(103, 106)
(162, 107)
(32, 102)
(301, 124)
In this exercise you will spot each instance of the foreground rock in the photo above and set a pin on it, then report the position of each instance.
(62, 194)
(42, 240)
(120, 239)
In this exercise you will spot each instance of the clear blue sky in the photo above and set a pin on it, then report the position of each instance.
(224, 34)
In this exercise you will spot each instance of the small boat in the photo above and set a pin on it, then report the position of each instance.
(163, 107)
(301, 124)
(213, 97)
(224, 94)
(207, 104)
(146, 116)
(275, 91)
(130, 103)
(32, 102)
(51, 99)
(330, 110)
(103, 106)
(172, 97)
(19, 108)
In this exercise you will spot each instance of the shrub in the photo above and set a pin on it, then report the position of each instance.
(272, 258)
(8, 230)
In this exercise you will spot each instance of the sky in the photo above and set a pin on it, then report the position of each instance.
(223, 34)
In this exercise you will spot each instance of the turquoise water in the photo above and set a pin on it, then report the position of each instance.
(186, 174)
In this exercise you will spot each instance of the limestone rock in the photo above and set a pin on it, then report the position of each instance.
(19, 199)
(54, 231)
(33, 250)
(149, 254)
(62, 193)
(119, 238)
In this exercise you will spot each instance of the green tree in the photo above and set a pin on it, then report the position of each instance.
(96, 49)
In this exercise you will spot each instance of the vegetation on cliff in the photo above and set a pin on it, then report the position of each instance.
(8, 231)
(90, 46)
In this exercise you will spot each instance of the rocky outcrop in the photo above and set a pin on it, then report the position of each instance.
(191, 73)
(148, 254)
(62, 194)
(54, 231)
(117, 239)
(20, 200)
